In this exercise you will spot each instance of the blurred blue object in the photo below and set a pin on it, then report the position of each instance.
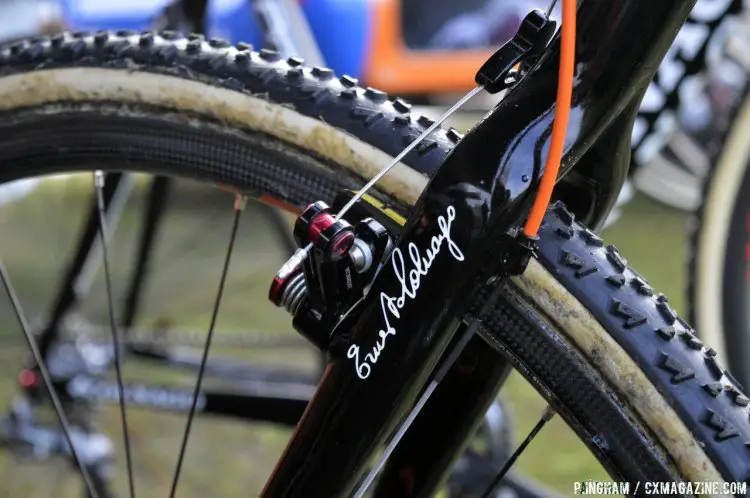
(343, 48)
(109, 14)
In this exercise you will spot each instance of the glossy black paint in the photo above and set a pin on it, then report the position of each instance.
(590, 190)
(445, 424)
(480, 192)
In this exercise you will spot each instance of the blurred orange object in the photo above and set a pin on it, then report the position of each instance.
(394, 67)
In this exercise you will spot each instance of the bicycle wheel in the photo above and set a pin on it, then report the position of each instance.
(613, 358)
(719, 266)
(269, 368)
(257, 358)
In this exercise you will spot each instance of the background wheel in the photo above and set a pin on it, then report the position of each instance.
(718, 249)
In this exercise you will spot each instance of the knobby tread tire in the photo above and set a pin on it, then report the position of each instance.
(682, 369)
(686, 371)
(315, 92)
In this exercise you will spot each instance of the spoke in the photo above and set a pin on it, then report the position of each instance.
(99, 184)
(112, 214)
(239, 206)
(47, 379)
(547, 415)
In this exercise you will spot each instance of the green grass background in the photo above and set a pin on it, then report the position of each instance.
(226, 457)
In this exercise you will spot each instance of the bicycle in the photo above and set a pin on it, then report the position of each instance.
(268, 394)
(641, 389)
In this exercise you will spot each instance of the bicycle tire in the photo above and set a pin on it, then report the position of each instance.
(718, 287)
(586, 329)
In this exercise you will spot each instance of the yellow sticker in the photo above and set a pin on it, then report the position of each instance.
(387, 211)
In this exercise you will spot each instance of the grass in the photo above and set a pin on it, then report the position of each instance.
(225, 457)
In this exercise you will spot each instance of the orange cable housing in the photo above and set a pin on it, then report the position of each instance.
(560, 123)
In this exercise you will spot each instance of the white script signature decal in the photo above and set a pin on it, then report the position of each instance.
(410, 282)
